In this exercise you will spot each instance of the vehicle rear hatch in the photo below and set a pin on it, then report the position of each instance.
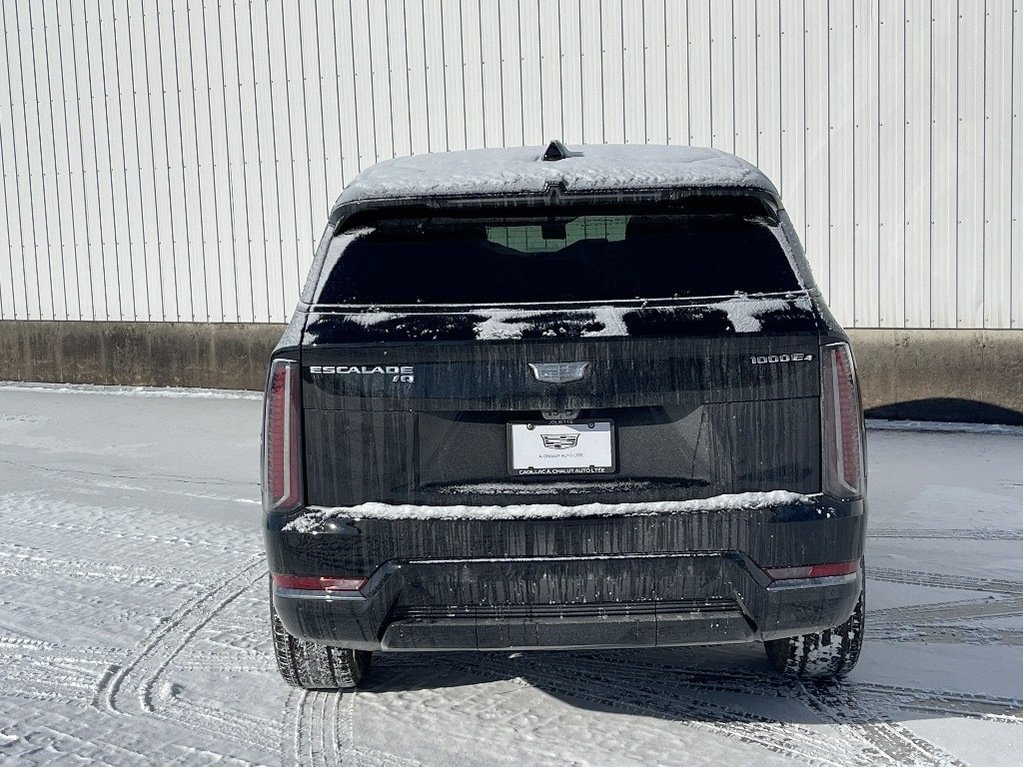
(560, 359)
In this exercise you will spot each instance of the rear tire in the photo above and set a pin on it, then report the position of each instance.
(312, 666)
(826, 655)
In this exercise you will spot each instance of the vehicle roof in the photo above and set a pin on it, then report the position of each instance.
(521, 170)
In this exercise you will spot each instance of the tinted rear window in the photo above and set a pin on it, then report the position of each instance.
(553, 259)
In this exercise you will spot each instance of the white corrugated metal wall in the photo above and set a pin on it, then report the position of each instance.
(176, 160)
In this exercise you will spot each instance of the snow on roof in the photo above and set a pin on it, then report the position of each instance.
(589, 168)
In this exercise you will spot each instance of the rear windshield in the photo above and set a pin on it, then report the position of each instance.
(554, 259)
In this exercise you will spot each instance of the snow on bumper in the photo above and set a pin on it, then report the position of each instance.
(313, 518)
(675, 573)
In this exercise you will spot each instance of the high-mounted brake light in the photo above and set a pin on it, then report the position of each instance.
(282, 439)
(842, 442)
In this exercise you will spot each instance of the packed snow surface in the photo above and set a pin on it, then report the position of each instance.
(520, 170)
(134, 631)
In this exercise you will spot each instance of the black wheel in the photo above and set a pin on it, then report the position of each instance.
(313, 666)
(826, 655)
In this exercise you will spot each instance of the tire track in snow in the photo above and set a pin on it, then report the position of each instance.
(323, 732)
(168, 639)
(790, 740)
(835, 703)
(967, 534)
(1003, 606)
(887, 696)
(944, 580)
(979, 706)
(884, 742)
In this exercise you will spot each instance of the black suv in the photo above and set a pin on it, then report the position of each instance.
(562, 399)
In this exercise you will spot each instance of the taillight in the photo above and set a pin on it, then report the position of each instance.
(842, 437)
(814, 571)
(329, 584)
(282, 439)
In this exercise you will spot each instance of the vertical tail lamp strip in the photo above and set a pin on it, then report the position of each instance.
(842, 449)
(282, 436)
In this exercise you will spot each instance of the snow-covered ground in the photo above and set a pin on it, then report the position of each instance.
(133, 622)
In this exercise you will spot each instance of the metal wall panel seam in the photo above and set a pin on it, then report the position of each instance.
(931, 155)
(806, 130)
(732, 74)
(970, 261)
(167, 167)
(853, 162)
(279, 267)
(689, 89)
(622, 68)
(408, 83)
(157, 225)
(184, 176)
(757, 75)
(85, 194)
(878, 158)
(956, 175)
(522, 88)
(582, 64)
(370, 78)
(306, 157)
(665, 36)
(215, 213)
(317, 216)
(984, 159)
(298, 129)
(1015, 174)
(355, 131)
(240, 169)
(453, 69)
(903, 126)
(444, 80)
(828, 145)
(561, 82)
(501, 70)
(462, 75)
(946, 127)
(782, 113)
(10, 143)
(117, 287)
(228, 173)
(124, 167)
(250, 144)
(483, 77)
(540, 71)
(42, 168)
(28, 158)
(643, 89)
(391, 95)
(291, 141)
(70, 187)
(604, 111)
(56, 187)
(474, 100)
(259, 151)
(570, 75)
(711, 79)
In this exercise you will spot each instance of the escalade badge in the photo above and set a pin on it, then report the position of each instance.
(560, 442)
(559, 373)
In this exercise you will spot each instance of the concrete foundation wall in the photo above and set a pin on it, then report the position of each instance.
(949, 374)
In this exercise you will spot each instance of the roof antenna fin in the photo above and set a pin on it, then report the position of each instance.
(558, 151)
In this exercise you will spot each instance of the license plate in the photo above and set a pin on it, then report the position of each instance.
(583, 448)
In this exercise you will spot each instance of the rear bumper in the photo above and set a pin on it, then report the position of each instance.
(585, 583)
